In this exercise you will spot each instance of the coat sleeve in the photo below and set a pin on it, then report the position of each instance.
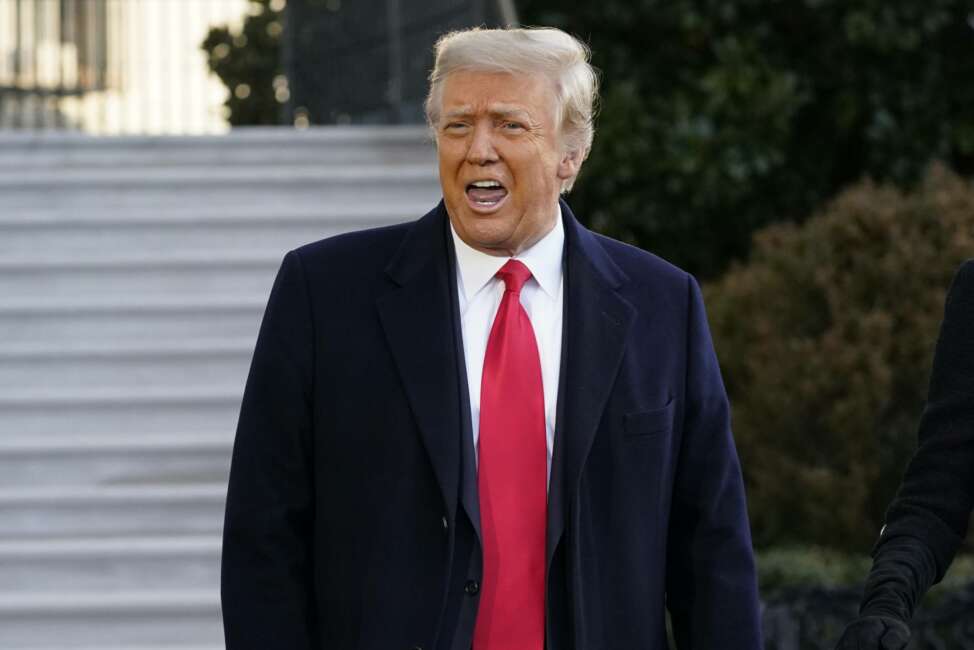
(266, 577)
(934, 502)
(711, 580)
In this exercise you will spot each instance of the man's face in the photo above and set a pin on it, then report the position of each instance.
(501, 158)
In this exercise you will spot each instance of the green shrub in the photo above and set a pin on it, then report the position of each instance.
(782, 568)
(249, 64)
(789, 567)
(825, 339)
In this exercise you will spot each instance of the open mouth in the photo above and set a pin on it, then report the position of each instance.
(485, 195)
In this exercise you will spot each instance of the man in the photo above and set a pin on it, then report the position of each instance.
(928, 519)
(489, 428)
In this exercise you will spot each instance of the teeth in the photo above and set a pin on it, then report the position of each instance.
(486, 184)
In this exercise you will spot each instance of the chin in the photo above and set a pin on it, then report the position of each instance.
(488, 236)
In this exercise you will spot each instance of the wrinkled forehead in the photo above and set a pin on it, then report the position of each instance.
(499, 110)
(510, 95)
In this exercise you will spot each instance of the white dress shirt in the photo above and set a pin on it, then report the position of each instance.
(542, 296)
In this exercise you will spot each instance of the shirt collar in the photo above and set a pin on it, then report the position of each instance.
(543, 259)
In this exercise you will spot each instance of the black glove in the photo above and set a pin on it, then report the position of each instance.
(875, 633)
(903, 570)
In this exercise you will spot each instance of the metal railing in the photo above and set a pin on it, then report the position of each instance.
(367, 62)
(137, 66)
(111, 66)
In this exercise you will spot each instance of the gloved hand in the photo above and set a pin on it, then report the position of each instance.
(875, 633)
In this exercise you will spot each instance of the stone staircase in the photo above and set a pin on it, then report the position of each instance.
(133, 274)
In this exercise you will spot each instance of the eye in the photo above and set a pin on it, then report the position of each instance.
(454, 126)
(512, 126)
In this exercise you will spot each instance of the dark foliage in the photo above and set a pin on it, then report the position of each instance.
(721, 116)
(249, 65)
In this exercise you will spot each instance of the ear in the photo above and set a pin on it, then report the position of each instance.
(569, 164)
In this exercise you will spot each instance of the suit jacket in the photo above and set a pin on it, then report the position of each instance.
(352, 517)
(933, 505)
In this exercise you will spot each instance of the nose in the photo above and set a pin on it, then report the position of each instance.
(481, 150)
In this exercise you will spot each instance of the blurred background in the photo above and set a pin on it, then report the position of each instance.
(811, 162)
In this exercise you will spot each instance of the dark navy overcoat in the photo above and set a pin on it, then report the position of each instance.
(352, 519)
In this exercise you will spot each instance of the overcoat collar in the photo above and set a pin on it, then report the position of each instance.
(417, 320)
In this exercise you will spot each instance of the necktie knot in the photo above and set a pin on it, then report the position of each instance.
(514, 274)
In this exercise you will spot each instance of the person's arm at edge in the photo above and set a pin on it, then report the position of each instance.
(924, 530)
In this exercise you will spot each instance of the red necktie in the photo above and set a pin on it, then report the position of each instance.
(512, 478)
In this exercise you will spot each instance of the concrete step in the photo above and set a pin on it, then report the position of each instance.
(190, 186)
(110, 621)
(319, 176)
(134, 363)
(146, 318)
(173, 272)
(36, 410)
(360, 214)
(133, 276)
(103, 565)
(153, 228)
(179, 646)
(113, 459)
(60, 512)
(275, 237)
(244, 146)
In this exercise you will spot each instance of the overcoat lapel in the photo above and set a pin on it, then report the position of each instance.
(418, 322)
(595, 329)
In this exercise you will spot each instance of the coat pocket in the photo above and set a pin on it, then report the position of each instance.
(641, 424)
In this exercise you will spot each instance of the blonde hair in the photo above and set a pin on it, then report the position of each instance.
(540, 50)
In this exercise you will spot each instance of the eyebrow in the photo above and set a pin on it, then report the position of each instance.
(496, 110)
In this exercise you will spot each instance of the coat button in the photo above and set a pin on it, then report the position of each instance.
(472, 587)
